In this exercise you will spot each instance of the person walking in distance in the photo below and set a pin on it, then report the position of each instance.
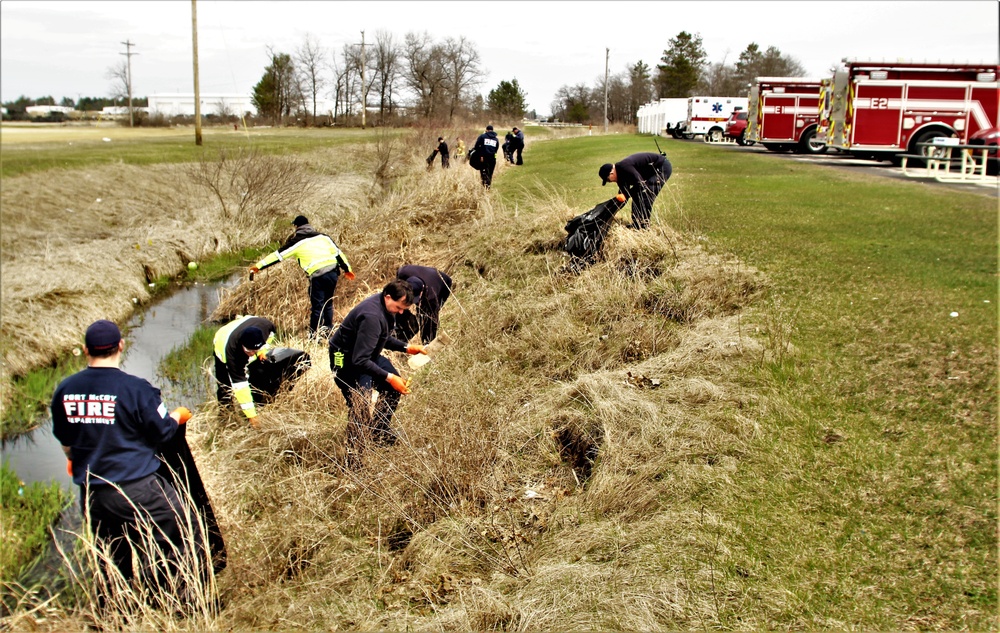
(110, 425)
(431, 288)
(322, 260)
(359, 367)
(639, 177)
(237, 344)
(486, 147)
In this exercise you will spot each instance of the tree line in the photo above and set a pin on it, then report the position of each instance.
(683, 71)
(416, 77)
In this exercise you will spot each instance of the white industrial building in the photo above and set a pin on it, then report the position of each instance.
(182, 104)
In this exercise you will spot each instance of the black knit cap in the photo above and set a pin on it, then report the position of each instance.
(300, 220)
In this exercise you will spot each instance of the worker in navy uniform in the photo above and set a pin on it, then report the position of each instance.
(639, 177)
(358, 364)
(322, 260)
(110, 424)
(431, 288)
(486, 146)
(237, 344)
(517, 146)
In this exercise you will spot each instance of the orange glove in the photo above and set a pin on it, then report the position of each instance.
(620, 197)
(415, 349)
(181, 414)
(254, 270)
(69, 467)
(349, 275)
(398, 383)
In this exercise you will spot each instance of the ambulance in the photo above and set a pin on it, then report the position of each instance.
(707, 116)
(882, 110)
(784, 114)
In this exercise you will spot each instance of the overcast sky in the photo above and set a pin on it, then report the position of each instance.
(64, 49)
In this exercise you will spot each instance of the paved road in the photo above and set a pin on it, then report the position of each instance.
(832, 158)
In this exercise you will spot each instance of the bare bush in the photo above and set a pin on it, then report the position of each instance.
(251, 186)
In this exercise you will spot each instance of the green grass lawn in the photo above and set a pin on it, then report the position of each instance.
(25, 151)
(869, 499)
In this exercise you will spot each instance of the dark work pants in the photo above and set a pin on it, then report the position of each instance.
(486, 171)
(642, 204)
(115, 517)
(357, 390)
(517, 150)
(321, 290)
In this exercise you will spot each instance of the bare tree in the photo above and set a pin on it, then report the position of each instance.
(385, 61)
(461, 67)
(309, 61)
(424, 73)
(118, 74)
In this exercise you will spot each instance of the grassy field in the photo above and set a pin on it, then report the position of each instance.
(760, 414)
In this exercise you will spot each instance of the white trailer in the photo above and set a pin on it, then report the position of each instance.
(659, 117)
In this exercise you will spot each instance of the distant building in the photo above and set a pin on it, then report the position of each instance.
(182, 104)
(45, 110)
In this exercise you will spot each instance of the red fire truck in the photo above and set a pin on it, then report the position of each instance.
(784, 113)
(884, 109)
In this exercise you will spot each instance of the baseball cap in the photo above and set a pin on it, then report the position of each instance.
(102, 336)
(489, 128)
(252, 338)
(300, 220)
(417, 284)
(604, 172)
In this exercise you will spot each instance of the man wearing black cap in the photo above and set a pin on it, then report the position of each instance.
(358, 365)
(431, 288)
(110, 424)
(486, 147)
(322, 260)
(517, 145)
(237, 344)
(639, 177)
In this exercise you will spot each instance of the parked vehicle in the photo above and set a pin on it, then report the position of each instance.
(736, 127)
(784, 114)
(989, 137)
(706, 116)
(883, 110)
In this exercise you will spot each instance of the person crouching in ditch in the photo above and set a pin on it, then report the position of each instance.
(237, 344)
(359, 367)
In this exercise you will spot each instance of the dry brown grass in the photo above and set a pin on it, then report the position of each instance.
(568, 423)
(567, 426)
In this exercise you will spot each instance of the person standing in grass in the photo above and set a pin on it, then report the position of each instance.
(486, 150)
(358, 365)
(237, 344)
(459, 150)
(110, 425)
(517, 145)
(431, 288)
(639, 177)
(322, 260)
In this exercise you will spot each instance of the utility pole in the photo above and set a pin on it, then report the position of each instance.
(364, 85)
(197, 93)
(607, 56)
(128, 77)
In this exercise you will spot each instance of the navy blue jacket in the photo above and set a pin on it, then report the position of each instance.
(112, 422)
(437, 286)
(487, 143)
(635, 169)
(363, 334)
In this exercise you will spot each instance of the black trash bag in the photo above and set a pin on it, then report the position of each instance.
(178, 466)
(283, 365)
(586, 233)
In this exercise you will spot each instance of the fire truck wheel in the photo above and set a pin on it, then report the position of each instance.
(808, 144)
(925, 137)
